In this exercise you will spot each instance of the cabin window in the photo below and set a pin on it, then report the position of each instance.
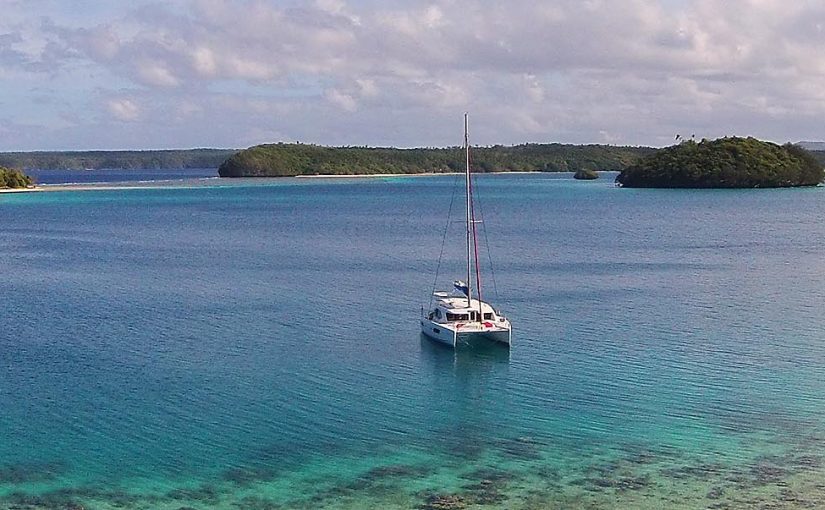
(437, 313)
(488, 316)
(452, 317)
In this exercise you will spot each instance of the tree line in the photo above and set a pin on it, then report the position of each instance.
(284, 159)
(150, 159)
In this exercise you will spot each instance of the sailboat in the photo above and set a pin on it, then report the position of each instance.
(460, 315)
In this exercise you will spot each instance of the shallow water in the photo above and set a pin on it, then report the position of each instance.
(114, 175)
(255, 345)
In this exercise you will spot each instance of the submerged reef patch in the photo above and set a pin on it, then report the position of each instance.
(397, 471)
(246, 476)
(256, 503)
(205, 493)
(439, 501)
(31, 472)
(522, 448)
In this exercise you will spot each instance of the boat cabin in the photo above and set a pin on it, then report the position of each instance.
(450, 309)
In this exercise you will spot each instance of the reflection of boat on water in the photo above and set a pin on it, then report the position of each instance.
(456, 316)
(462, 420)
(473, 360)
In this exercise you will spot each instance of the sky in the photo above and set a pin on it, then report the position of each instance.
(138, 74)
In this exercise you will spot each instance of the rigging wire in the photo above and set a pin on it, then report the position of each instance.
(443, 240)
(473, 222)
(477, 199)
(487, 245)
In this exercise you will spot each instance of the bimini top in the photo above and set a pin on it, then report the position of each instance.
(459, 303)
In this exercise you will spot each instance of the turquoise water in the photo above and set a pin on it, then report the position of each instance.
(255, 345)
(113, 175)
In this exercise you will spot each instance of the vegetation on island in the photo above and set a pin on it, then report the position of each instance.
(287, 160)
(282, 159)
(730, 162)
(150, 159)
(12, 178)
(587, 175)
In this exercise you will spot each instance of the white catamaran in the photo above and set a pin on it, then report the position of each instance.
(457, 316)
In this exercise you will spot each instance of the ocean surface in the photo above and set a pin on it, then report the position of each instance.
(114, 175)
(254, 344)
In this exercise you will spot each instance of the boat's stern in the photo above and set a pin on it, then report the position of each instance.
(498, 332)
(456, 320)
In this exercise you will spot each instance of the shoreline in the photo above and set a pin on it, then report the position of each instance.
(422, 174)
(20, 190)
(163, 184)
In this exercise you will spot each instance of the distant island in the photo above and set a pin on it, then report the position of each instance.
(286, 159)
(811, 146)
(84, 160)
(289, 160)
(586, 175)
(729, 162)
(11, 178)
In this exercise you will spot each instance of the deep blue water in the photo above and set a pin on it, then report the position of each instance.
(256, 345)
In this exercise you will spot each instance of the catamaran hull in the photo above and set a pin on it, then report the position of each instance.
(450, 337)
(501, 336)
(438, 333)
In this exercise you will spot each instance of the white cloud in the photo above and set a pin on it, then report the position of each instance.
(156, 73)
(123, 109)
(533, 89)
(203, 60)
(332, 6)
(567, 70)
(238, 67)
(344, 101)
(367, 87)
(433, 17)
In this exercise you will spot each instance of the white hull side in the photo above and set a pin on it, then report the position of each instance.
(448, 336)
(438, 332)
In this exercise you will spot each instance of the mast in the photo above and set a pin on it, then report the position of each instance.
(469, 213)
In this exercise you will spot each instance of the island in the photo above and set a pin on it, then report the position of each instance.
(124, 160)
(730, 162)
(586, 175)
(12, 178)
(289, 160)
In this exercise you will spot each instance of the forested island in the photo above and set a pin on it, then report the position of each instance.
(287, 160)
(150, 159)
(11, 178)
(586, 175)
(730, 162)
(683, 165)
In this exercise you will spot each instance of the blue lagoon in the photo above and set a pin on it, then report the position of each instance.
(255, 345)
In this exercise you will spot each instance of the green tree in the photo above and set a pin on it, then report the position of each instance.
(729, 162)
(11, 178)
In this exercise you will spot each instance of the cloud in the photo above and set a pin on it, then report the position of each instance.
(367, 87)
(343, 101)
(152, 72)
(629, 71)
(99, 42)
(123, 109)
(204, 61)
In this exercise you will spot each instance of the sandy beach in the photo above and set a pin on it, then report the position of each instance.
(210, 181)
(19, 190)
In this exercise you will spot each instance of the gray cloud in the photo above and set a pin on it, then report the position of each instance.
(238, 72)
